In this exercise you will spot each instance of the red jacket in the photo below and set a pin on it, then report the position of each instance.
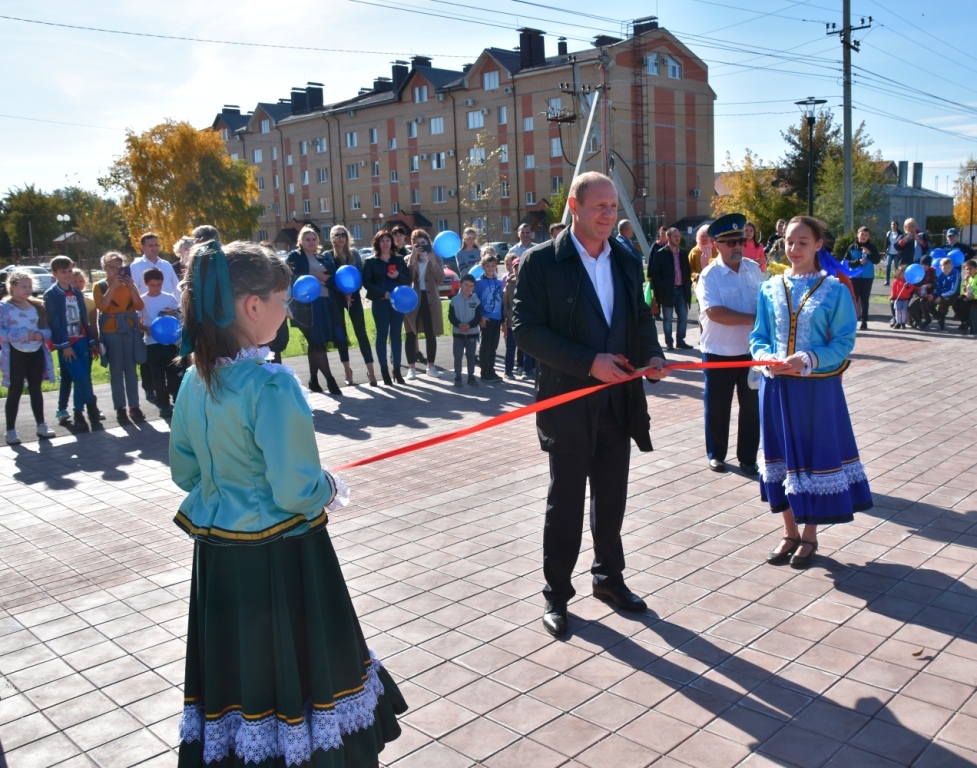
(902, 290)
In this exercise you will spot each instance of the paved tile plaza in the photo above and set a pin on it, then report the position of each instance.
(868, 659)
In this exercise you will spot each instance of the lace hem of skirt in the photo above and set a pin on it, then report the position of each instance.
(268, 737)
(815, 483)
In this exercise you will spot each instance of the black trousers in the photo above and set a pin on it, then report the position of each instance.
(165, 372)
(720, 384)
(423, 319)
(488, 347)
(358, 322)
(863, 295)
(25, 367)
(607, 472)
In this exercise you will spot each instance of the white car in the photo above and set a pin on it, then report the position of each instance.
(41, 277)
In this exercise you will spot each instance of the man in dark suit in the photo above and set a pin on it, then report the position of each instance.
(671, 279)
(579, 310)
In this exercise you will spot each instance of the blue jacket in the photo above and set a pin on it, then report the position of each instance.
(948, 286)
(54, 300)
(489, 292)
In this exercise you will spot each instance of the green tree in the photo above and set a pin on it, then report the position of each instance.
(963, 190)
(174, 177)
(754, 192)
(29, 217)
(792, 173)
(868, 182)
(556, 206)
(482, 179)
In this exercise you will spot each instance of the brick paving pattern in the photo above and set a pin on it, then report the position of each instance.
(867, 659)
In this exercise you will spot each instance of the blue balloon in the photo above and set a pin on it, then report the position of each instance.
(404, 299)
(476, 271)
(306, 289)
(956, 255)
(348, 279)
(915, 273)
(166, 329)
(936, 254)
(447, 244)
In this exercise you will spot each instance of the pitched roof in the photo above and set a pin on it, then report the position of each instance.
(231, 120)
(509, 59)
(276, 111)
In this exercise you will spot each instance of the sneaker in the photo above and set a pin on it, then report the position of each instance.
(434, 372)
(510, 375)
(43, 430)
(136, 415)
(63, 417)
(472, 381)
(12, 438)
(411, 373)
(457, 381)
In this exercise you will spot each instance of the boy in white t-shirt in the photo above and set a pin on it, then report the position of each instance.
(161, 358)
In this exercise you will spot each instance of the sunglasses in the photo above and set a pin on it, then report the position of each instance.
(732, 241)
(340, 234)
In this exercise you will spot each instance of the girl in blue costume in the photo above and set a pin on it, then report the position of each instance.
(277, 670)
(811, 471)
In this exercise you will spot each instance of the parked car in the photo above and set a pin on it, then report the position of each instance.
(451, 284)
(365, 253)
(501, 249)
(41, 278)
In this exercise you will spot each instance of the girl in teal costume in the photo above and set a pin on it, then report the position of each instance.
(277, 670)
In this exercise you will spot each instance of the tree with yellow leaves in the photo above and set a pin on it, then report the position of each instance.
(963, 191)
(754, 192)
(173, 177)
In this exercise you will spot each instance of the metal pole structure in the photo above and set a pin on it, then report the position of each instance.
(970, 233)
(809, 108)
(846, 55)
(30, 236)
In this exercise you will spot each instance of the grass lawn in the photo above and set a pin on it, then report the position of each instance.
(296, 348)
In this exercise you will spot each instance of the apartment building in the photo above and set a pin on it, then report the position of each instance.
(488, 144)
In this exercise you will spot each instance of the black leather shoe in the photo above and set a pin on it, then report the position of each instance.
(800, 562)
(779, 558)
(716, 465)
(683, 345)
(750, 469)
(555, 618)
(621, 596)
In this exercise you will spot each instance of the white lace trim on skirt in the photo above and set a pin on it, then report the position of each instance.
(815, 483)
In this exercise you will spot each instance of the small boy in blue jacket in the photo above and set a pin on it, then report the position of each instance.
(465, 316)
(488, 288)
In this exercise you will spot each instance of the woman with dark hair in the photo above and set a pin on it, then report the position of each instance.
(811, 472)
(343, 253)
(427, 274)
(753, 250)
(383, 272)
(318, 319)
(862, 258)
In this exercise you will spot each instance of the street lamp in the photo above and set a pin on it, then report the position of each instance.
(64, 218)
(375, 219)
(809, 108)
(970, 234)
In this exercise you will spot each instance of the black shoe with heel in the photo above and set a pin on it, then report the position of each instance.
(800, 562)
(332, 386)
(314, 386)
(398, 377)
(780, 558)
(385, 375)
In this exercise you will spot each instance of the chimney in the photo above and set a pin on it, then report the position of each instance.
(602, 41)
(398, 73)
(917, 175)
(383, 85)
(903, 173)
(300, 101)
(314, 95)
(561, 47)
(646, 24)
(420, 61)
(231, 109)
(531, 50)
(466, 68)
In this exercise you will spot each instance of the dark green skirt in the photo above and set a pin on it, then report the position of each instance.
(278, 672)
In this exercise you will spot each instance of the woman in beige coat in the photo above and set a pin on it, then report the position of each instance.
(427, 274)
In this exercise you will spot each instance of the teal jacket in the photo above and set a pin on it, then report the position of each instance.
(247, 458)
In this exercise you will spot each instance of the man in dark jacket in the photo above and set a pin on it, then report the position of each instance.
(579, 310)
(671, 279)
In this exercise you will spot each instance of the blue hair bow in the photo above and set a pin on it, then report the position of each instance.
(211, 281)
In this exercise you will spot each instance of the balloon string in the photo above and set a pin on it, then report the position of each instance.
(541, 405)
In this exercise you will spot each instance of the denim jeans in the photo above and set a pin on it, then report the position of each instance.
(681, 309)
(891, 260)
(389, 323)
(464, 347)
(81, 373)
(121, 351)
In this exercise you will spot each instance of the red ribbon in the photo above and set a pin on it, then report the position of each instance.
(540, 405)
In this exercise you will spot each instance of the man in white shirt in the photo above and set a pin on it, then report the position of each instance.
(525, 240)
(727, 293)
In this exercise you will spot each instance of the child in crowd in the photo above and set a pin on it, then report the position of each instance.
(24, 355)
(465, 315)
(946, 291)
(901, 293)
(161, 358)
(508, 291)
(80, 283)
(489, 290)
(965, 305)
(74, 339)
(277, 668)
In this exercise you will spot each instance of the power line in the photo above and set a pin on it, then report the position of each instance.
(902, 119)
(60, 122)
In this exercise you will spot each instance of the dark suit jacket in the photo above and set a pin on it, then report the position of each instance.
(661, 273)
(547, 318)
(302, 313)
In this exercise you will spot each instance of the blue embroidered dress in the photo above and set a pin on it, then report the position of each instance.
(277, 670)
(811, 463)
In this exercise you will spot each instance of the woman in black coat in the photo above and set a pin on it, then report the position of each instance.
(344, 254)
(382, 273)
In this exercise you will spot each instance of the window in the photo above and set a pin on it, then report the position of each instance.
(266, 126)
(555, 183)
(674, 68)
(373, 136)
(503, 115)
(274, 153)
(356, 231)
(475, 119)
(556, 147)
(262, 235)
(437, 125)
(352, 171)
(411, 130)
(527, 123)
(305, 178)
(530, 198)
(320, 145)
(274, 181)
(256, 155)
(395, 207)
(553, 106)
(420, 94)
(223, 134)
(651, 66)
(504, 188)
(476, 156)
(261, 183)
(503, 153)
(291, 188)
(376, 169)
(351, 139)
(393, 176)
(235, 157)
(443, 225)
(321, 175)
(490, 81)
(392, 142)
(278, 209)
(306, 206)
(354, 202)
(439, 195)
(415, 163)
(323, 205)
(437, 161)
(288, 159)
(415, 197)
(303, 148)
(376, 199)
(506, 225)
(530, 161)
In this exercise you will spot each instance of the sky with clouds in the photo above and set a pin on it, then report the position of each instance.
(72, 87)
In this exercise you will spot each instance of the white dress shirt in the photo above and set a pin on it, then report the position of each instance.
(170, 281)
(720, 286)
(599, 271)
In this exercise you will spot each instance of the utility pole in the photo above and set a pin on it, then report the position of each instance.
(847, 47)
